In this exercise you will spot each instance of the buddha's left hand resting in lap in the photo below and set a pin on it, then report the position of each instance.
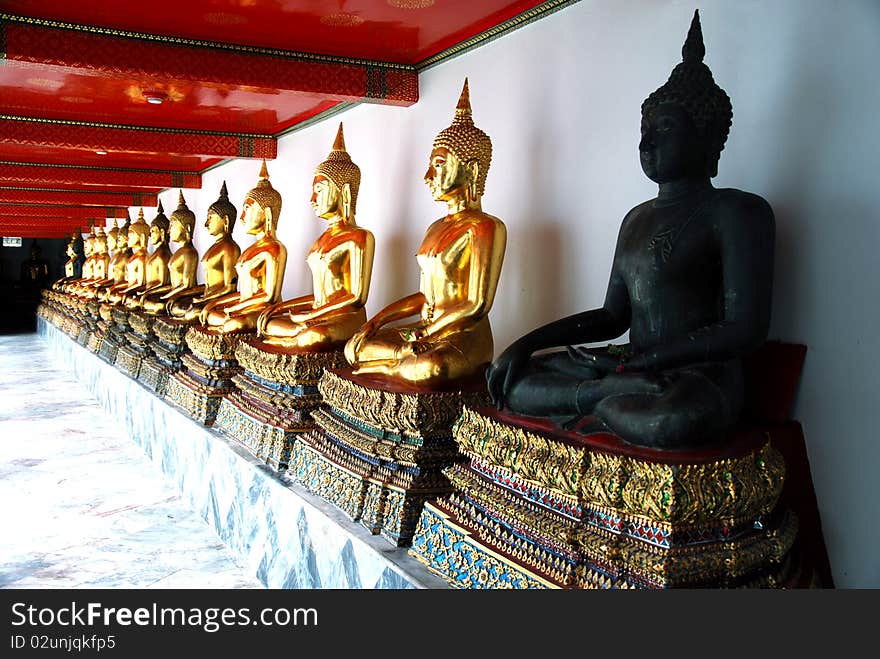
(260, 267)
(460, 261)
(341, 261)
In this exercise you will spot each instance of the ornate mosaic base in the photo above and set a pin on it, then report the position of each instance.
(128, 360)
(96, 338)
(589, 514)
(199, 402)
(108, 348)
(378, 453)
(274, 398)
(264, 441)
(154, 376)
(210, 346)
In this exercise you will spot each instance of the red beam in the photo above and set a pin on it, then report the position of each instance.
(113, 138)
(74, 212)
(76, 198)
(336, 78)
(37, 233)
(56, 223)
(18, 173)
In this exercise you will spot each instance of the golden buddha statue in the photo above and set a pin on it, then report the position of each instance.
(181, 267)
(89, 253)
(219, 261)
(116, 239)
(136, 265)
(260, 267)
(72, 287)
(70, 265)
(97, 270)
(341, 261)
(157, 275)
(460, 261)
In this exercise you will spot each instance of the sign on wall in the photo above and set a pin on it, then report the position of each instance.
(11, 242)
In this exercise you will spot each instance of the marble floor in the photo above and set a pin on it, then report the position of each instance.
(82, 506)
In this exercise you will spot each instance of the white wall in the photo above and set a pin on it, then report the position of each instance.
(561, 100)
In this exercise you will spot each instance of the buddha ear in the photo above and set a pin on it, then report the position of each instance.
(270, 223)
(473, 167)
(345, 192)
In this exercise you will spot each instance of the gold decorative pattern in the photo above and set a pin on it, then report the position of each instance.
(286, 367)
(554, 465)
(743, 486)
(170, 330)
(214, 346)
(422, 414)
(141, 323)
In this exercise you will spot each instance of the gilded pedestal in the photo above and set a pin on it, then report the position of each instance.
(167, 346)
(379, 448)
(207, 374)
(115, 327)
(131, 355)
(96, 326)
(535, 507)
(274, 398)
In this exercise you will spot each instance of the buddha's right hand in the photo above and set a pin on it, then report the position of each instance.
(505, 371)
(263, 319)
(353, 345)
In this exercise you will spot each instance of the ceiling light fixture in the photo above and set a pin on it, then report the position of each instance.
(101, 152)
(155, 98)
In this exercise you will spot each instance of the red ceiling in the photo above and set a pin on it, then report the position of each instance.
(406, 31)
(233, 75)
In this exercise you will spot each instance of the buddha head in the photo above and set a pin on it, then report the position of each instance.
(262, 206)
(122, 237)
(183, 222)
(336, 183)
(113, 236)
(70, 250)
(221, 215)
(159, 226)
(686, 121)
(460, 157)
(88, 243)
(138, 231)
(99, 242)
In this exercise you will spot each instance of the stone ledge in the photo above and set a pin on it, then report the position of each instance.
(287, 537)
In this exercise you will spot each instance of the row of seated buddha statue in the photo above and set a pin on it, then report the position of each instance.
(623, 466)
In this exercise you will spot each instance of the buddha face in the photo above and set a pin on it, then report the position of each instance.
(253, 216)
(447, 177)
(157, 235)
(215, 224)
(671, 148)
(100, 244)
(87, 246)
(111, 240)
(134, 238)
(176, 231)
(325, 197)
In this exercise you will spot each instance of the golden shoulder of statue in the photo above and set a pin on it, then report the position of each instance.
(460, 261)
(341, 261)
(260, 268)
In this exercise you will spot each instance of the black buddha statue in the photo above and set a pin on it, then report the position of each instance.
(691, 280)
